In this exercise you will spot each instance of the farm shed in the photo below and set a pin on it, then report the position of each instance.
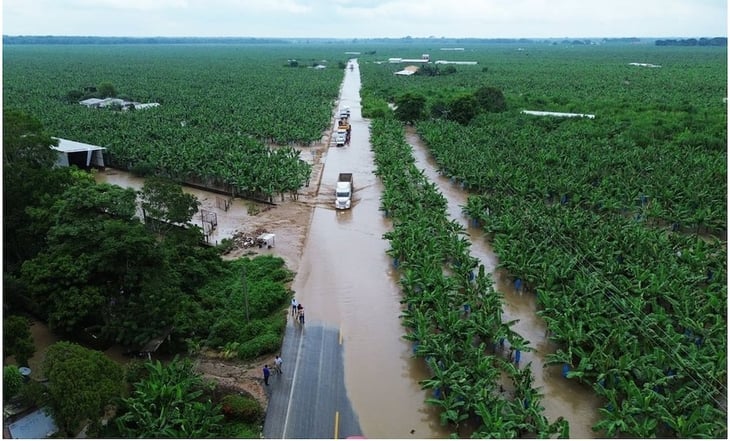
(408, 70)
(561, 114)
(78, 154)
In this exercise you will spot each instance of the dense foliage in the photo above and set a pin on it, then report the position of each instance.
(219, 104)
(171, 401)
(613, 222)
(81, 383)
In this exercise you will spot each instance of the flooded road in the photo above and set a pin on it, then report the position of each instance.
(345, 279)
(561, 397)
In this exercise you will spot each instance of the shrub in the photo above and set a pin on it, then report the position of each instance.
(224, 331)
(242, 408)
(12, 382)
(260, 345)
(17, 339)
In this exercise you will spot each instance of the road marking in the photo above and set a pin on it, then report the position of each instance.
(337, 423)
(340, 336)
(291, 391)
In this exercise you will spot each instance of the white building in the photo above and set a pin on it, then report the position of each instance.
(79, 154)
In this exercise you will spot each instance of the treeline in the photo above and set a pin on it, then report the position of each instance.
(71, 39)
(717, 41)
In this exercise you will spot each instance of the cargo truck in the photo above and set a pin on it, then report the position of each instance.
(343, 191)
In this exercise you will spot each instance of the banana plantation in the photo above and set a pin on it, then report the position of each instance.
(229, 117)
(616, 224)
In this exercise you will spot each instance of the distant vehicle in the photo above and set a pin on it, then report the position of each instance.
(341, 137)
(343, 191)
(343, 127)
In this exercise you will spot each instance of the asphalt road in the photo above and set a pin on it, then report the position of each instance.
(309, 399)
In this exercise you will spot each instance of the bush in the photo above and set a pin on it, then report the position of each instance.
(260, 345)
(12, 382)
(17, 339)
(242, 408)
(225, 331)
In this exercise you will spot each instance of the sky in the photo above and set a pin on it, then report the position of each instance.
(368, 18)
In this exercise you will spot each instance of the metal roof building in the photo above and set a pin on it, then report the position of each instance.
(78, 153)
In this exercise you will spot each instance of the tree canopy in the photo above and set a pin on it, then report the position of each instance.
(81, 383)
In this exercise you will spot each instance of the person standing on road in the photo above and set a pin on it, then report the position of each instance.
(301, 315)
(267, 372)
(294, 305)
(277, 364)
(300, 310)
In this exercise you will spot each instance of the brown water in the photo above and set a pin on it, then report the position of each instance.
(562, 397)
(346, 279)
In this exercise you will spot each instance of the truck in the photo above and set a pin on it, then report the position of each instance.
(342, 134)
(343, 191)
(341, 137)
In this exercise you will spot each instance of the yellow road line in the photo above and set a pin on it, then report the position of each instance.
(337, 423)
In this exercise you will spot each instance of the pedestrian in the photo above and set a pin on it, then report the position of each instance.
(277, 364)
(300, 311)
(301, 316)
(294, 305)
(267, 372)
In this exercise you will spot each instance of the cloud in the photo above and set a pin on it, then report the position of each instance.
(368, 18)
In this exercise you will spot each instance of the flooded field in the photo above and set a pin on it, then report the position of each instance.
(561, 397)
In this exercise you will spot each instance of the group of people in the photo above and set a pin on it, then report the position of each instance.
(297, 311)
(276, 368)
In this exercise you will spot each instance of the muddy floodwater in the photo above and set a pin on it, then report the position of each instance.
(346, 279)
(561, 397)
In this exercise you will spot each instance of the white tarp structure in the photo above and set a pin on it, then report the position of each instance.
(89, 155)
(561, 114)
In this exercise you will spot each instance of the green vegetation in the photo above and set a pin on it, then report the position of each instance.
(219, 105)
(81, 383)
(453, 316)
(171, 401)
(12, 382)
(17, 341)
(616, 223)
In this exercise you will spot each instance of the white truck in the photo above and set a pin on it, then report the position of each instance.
(340, 137)
(343, 191)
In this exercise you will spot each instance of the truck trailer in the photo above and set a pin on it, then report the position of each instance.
(343, 191)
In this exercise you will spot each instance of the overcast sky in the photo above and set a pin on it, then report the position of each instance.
(367, 18)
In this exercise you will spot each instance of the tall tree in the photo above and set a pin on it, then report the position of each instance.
(102, 268)
(490, 99)
(410, 107)
(28, 177)
(165, 204)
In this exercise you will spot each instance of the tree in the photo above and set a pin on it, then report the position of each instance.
(463, 109)
(81, 383)
(490, 99)
(167, 204)
(25, 143)
(17, 340)
(106, 90)
(28, 177)
(410, 107)
(171, 402)
(102, 269)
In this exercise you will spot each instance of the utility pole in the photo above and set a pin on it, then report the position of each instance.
(245, 292)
